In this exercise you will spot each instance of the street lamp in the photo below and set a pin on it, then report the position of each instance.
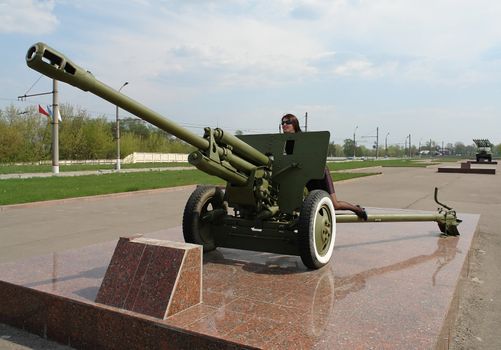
(386, 145)
(405, 145)
(118, 130)
(354, 142)
(410, 146)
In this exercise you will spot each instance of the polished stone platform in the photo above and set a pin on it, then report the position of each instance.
(482, 162)
(465, 168)
(389, 285)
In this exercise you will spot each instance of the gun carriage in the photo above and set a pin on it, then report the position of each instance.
(264, 205)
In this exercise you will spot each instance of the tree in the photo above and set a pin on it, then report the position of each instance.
(97, 139)
(459, 149)
(395, 151)
(471, 150)
(335, 150)
(348, 147)
(362, 151)
(23, 135)
(430, 146)
(135, 126)
(129, 144)
(497, 150)
(10, 142)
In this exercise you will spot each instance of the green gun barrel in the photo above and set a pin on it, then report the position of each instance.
(55, 65)
(241, 148)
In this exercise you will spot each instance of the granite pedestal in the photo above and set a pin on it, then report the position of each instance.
(466, 168)
(389, 285)
(153, 277)
(483, 162)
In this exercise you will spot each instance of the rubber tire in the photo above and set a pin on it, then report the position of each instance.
(194, 230)
(315, 201)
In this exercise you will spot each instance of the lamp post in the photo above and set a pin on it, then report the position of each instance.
(410, 146)
(118, 130)
(405, 146)
(354, 142)
(386, 145)
(55, 127)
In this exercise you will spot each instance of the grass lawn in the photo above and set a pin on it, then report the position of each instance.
(57, 187)
(335, 166)
(15, 191)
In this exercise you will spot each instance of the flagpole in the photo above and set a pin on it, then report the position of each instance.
(55, 128)
(117, 122)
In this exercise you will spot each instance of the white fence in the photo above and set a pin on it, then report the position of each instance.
(140, 157)
(136, 157)
(68, 162)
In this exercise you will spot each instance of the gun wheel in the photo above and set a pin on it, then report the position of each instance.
(197, 216)
(317, 229)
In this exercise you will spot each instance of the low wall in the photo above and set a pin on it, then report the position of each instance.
(141, 157)
(136, 157)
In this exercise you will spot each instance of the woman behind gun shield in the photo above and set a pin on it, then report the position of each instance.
(290, 125)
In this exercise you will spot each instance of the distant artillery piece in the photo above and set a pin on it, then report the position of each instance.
(484, 156)
(266, 177)
(484, 150)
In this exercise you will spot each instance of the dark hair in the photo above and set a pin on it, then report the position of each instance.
(293, 119)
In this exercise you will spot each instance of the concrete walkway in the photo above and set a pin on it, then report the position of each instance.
(40, 228)
(88, 172)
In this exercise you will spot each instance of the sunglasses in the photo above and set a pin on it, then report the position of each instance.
(286, 122)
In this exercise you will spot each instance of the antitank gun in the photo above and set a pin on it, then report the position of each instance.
(264, 206)
(484, 150)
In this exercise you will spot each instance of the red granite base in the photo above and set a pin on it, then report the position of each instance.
(388, 286)
(468, 171)
(482, 162)
(153, 277)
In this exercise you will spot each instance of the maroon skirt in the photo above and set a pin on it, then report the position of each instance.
(324, 183)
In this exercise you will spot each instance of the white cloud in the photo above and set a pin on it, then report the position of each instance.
(254, 43)
(251, 43)
(277, 54)
(443, 39)
(355, 67)
(220, 50)
(27, 16)
(433, 28)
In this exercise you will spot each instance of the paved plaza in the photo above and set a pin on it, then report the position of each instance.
(41, 228)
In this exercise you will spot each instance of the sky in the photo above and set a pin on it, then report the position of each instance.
(426, 68)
